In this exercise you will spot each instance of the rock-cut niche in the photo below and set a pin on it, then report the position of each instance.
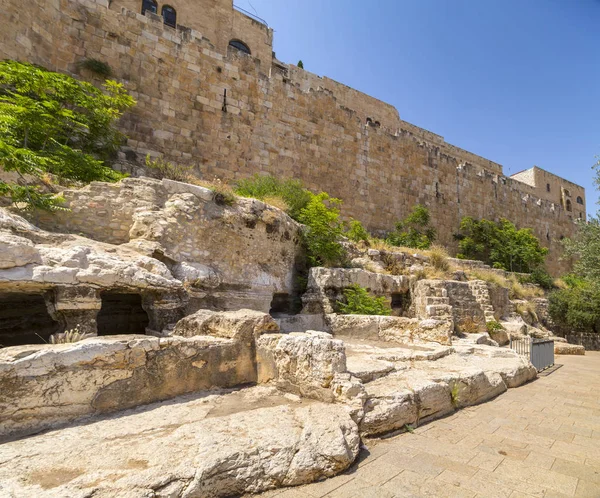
(121, 313)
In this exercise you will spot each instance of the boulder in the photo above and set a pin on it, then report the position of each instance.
(242, 325)
(566, 348)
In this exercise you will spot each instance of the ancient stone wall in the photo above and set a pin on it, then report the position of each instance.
(232, 116)
(590, 341)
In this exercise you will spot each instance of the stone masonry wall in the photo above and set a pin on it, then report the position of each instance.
(280, 121)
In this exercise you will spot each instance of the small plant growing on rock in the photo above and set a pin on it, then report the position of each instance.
(164, 169)
(96, 66)
(455, 394)
(493, 326)
(69, 336)
(360, 302)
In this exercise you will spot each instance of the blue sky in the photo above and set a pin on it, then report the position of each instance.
(516, 81)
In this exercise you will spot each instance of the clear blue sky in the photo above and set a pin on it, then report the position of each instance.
(516, 81)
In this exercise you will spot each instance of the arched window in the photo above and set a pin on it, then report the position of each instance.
(241, 46)
(169, 16)
(569, 208)
(150, 6)
(579, 200)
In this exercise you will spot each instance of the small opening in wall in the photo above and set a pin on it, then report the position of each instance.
(579, 200)
(547, 187)
(169, 16)
(24, 319)
(400, 303)
(121, 314)
(149, 6)
(282, 304)
(569, 207)
(241, 46)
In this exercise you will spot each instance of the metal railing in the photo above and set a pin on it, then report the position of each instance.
(540, 352)
(251, 15)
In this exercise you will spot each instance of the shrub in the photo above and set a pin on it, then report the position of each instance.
(527, 312)
(493, 326)
(500, 245)
(414, 230)
(577, 307)
(359, 302)
(323, 231)
(539, 276)
(164, 169)
(356, 231)
(52, 123)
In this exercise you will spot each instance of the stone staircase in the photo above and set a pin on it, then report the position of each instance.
(481, 293)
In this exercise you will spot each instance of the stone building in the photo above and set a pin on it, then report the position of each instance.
(210, 93)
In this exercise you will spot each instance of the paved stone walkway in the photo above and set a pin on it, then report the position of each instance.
(542, 439)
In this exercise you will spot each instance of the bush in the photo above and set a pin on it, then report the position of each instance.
(576, 308)
(52, 123)
(359, 302)
(96, 66)
(356, 231)
(493, 327)
(414, 230)
(323, 231)
(539, 276)
(500, 245)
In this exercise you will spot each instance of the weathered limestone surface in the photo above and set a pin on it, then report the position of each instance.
(44, 385)
(205, 446)
(390, 328)
(228, 256)
(565, 348)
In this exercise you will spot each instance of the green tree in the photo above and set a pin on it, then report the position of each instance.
(359, 302)
(578, 307)
(500, 244)
(53, 123)
(414, 230)
(323, 230)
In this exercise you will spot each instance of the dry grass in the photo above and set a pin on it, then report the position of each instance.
(392, 265)
(527, 312)
(224, 193)
(438, 258)
(559, 283)
(489, 276)
(517, 290)
(277, 202)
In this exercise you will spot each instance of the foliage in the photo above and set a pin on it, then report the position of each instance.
(224, 194)
(323, 230)
(585, 247)
(500, 244)
(539, 276)
(493, 326)
(73, 335)
(527, 312)
(263, 187)
(96, 66)
(455, 394)
(356, 231)
(52, 123)
(301, 64)
(164, 169)
(359, 302)
(577, 307)
(414, 230)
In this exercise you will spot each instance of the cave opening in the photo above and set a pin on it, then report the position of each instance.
(24, 319)
(121, 313)
(400, 303)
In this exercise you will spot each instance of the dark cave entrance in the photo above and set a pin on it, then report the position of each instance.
(284, 304)
(24, 319)
(400, 303)
(121, 313)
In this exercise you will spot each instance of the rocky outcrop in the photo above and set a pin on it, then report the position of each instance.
(45, 385)
(326, 286)
(566, 348)
(221, 444)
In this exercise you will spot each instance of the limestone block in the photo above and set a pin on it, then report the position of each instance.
(17, 251)
(565, 348)
(241, 325)
(301, 363)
